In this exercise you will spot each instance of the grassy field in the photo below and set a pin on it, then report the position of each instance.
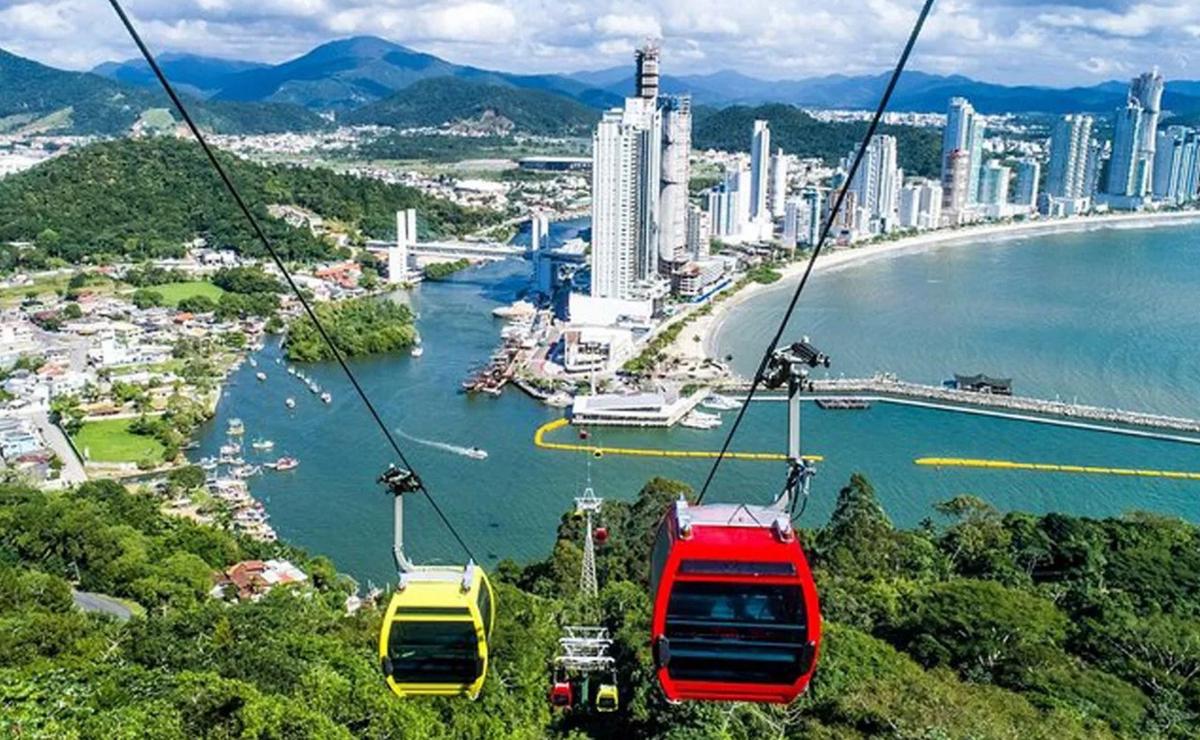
(173, 293)
(110, 440)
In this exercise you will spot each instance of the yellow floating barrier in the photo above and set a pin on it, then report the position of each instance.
(960, 462)
(539, 440)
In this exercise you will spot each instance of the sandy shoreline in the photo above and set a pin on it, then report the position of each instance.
(707, 327)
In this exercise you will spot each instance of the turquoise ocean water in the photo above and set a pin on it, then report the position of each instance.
(1111, 317)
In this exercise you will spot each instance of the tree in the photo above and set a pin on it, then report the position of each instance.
(72, 311)
(143, 298)
(197, 304)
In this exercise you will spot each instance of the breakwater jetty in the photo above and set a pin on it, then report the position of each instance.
(884, 387)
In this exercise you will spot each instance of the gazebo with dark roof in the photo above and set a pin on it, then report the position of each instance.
(983, 384)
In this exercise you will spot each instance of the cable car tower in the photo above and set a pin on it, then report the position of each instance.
(583, 650)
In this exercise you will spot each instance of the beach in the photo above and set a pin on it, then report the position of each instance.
(708, 327)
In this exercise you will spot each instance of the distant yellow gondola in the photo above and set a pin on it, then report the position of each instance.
(606, 698)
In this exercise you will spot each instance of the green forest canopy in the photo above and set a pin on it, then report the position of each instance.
(984, 626)
(359, 326)
(145, 198)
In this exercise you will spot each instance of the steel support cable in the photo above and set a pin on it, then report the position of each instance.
(266, 242)
(825, 229)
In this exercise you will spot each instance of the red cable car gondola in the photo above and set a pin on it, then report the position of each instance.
(736, 616)
(601, 535)
(562, 694)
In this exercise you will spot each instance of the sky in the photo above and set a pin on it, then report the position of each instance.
(1050, 42)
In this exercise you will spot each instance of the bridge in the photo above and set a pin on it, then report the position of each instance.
(454, 250)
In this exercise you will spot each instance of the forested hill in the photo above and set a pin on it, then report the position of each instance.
(798, 133)
(147, 197)
(40, 98)
(980, 626)
(442, 100)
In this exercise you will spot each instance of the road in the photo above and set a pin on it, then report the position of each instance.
(101, 604)
(72, 472)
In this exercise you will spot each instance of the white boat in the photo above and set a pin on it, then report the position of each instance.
(721, 403)
(518, 310)
(236, 428)
(290, 403)
(208, 463)
(261, 376)
(291, 370)
(326, 397)
(559, 400)
(284, 463)
(476, 454)
(698, 420)
(314, 387)
(230, 449)
(262, 444)
(253, 362)
(417, 351)
(243, 472)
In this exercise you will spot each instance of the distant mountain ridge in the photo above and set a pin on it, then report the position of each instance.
(40, 98)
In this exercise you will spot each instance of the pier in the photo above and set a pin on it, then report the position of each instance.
(885, 388)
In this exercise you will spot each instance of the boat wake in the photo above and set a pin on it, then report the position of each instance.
(472, 452)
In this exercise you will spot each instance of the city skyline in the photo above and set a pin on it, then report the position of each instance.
(1059, 44)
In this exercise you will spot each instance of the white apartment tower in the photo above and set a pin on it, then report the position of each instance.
(876, 184)
(760, 176)
(1069, 146)
(673, 197)
(626, 178)
(777, 197)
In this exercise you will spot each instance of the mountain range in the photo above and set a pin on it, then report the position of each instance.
(346, 74)
(371, 80)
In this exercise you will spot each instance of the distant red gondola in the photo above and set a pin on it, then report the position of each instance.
(736, 616)
(601, 535)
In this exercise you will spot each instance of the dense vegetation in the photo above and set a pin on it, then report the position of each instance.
(443, 100)
(982, 626)
(800, 134)
(81, 103)
(360, 326)
(147, 198)
(440, 149)
(443, 270)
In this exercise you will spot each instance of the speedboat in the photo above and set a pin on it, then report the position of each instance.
(261, 375)
(230, 449)
(253, 362)
(290, 403)
(326, 397)
(285, 463)
(236, 428)
(417, 351)
(720, 403)
(477, 454)
(262, 444)
(291, 370)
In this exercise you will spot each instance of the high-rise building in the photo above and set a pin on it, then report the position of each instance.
(646, 81)
(1135, 137)
(1173, 159)
(626, 177)
(802, 219)
(760, 176)
(993, 184)
(955, 182)
(964, 132)
(673, 198)
(729, 203)
(1069, 147)
(1128, 170)
(777, 197)
(876, 184)
(1029, 174)
(920, 205)
(1147, 89)
(1189, 186)
(699, 232)
(1097, 155)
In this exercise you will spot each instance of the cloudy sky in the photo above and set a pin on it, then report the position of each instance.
(1057, 42)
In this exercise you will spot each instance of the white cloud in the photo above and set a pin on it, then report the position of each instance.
(1029, 41)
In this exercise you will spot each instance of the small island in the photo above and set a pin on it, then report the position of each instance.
(361, 326)
(443, 270)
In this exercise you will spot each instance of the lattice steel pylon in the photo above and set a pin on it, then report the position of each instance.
(587, 504)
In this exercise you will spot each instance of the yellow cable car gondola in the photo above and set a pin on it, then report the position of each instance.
(434, 638)
(606, 697)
